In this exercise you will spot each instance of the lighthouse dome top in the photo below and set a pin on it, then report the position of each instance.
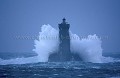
(64, 21)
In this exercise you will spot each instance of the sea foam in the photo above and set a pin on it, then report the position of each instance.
(89, 49)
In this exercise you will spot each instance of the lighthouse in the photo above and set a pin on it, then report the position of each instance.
(64, 41)
(64, 53)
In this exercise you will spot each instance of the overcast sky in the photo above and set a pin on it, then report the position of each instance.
(25, 17)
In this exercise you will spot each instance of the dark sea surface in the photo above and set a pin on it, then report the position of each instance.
(61, 70)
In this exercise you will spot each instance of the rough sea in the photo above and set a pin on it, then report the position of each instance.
(61, 70)
(94, 64)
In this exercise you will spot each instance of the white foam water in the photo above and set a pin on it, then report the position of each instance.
(89, 49)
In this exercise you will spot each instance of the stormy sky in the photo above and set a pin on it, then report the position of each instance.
(86, 17)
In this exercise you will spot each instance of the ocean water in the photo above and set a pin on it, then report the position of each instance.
(94, 63)
(61, 70)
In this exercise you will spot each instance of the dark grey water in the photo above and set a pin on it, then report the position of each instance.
(61, 70)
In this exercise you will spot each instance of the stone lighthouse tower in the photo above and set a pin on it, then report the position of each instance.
(64, 39)
(64, 54)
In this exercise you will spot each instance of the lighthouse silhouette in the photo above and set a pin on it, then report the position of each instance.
(63, 54)
(64, 39)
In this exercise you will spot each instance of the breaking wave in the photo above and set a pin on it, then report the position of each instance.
(89, 49)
